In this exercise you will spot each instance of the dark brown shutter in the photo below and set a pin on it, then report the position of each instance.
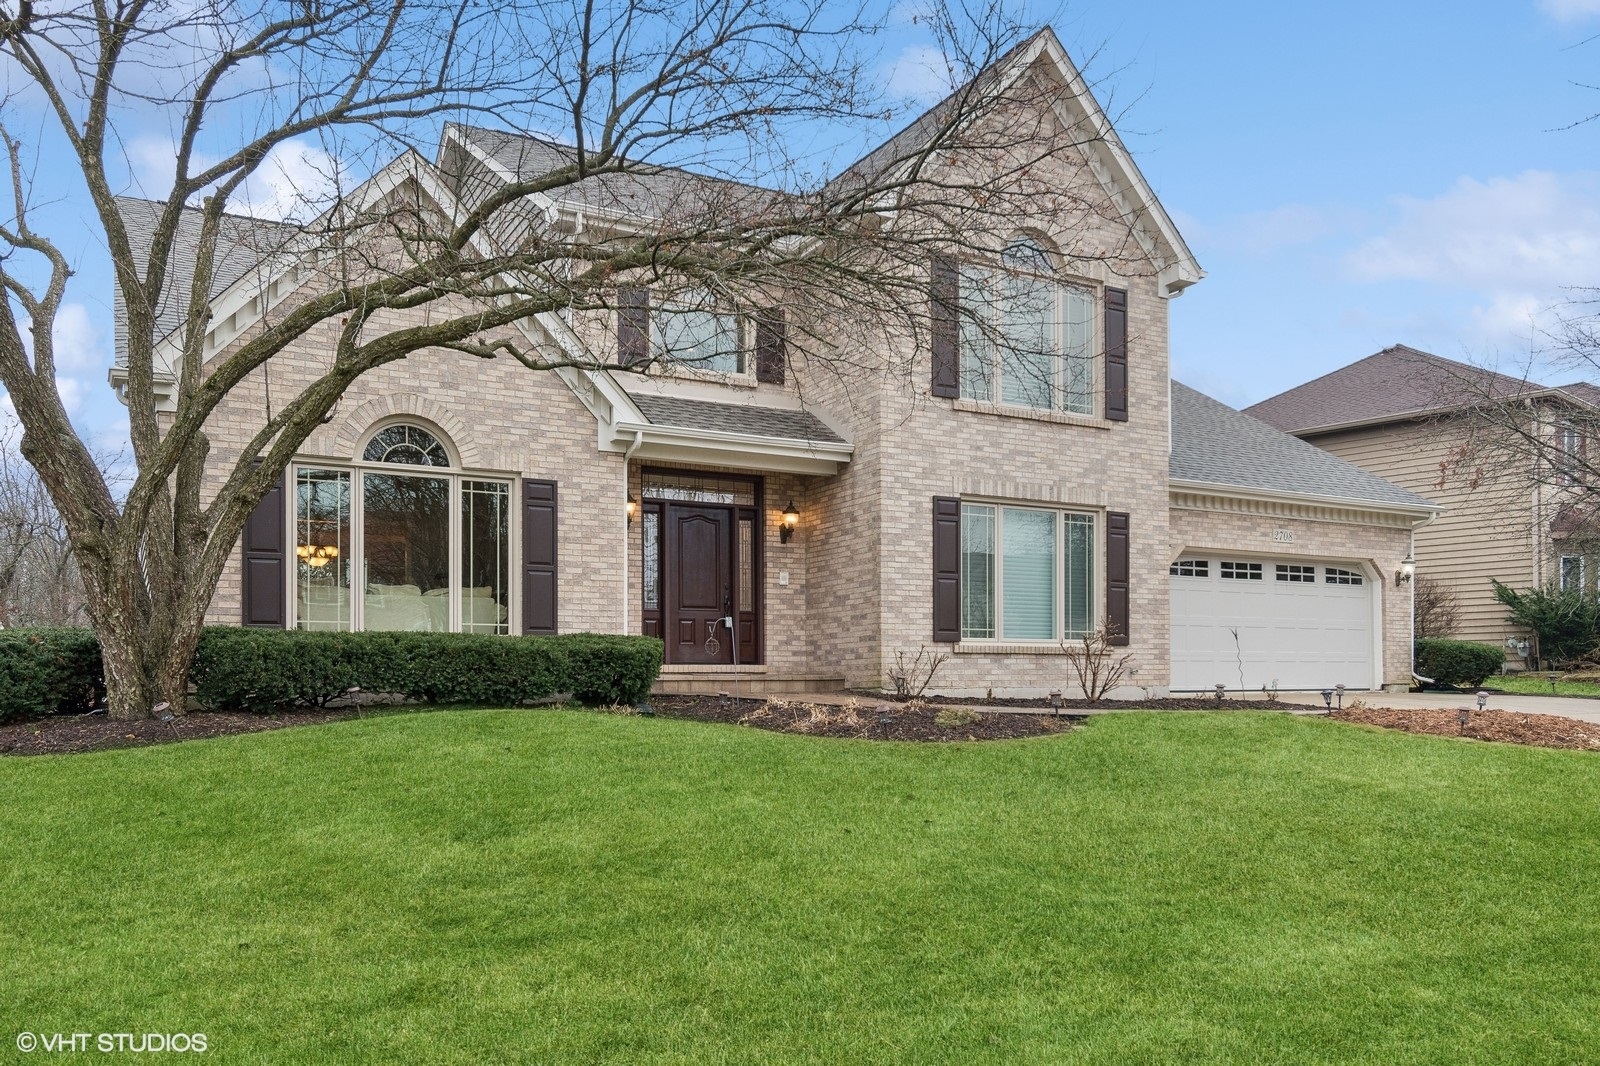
(265, 560)
(1117, 355)
(1117, 576)
(770, 346)
(633, 325)
(538, 556)
(946, 569)
(944, 310)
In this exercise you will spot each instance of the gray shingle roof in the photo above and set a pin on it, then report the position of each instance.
(1396, 382)
(1213, 443)
(646, 190)
(774, 422)
(243, 243)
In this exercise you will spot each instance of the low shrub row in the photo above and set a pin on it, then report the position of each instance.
(259, 668)
(54, 670)
(1461, 663)
(48, 671)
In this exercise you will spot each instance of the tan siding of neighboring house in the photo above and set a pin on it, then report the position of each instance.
(1486, 531)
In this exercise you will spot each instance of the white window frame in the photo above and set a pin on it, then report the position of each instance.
(455, 474)
(981, 339)
(1583, 568)
(1058, 593)
(1571, 450)
(701, 303)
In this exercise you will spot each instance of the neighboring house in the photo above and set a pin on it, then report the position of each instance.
(971, 510)
(1415, 419)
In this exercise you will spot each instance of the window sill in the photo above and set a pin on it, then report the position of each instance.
(669, 370)
(1033, 414)
(986, 647)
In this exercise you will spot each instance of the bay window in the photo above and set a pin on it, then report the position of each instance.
(1026, 338)
(1027, 573)
(402, 541)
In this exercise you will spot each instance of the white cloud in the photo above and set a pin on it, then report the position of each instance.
(920, 73)
(80, 342)
(1517, 245)
(1570, 10)
(296, 181)
(1537, 230)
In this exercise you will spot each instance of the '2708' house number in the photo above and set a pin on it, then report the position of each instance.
(1283, 536)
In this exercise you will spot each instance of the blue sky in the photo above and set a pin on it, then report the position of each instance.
(1350, 176)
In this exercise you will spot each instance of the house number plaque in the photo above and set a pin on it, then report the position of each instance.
(1283, 536)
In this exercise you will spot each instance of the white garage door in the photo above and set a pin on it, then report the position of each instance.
(1303, 624)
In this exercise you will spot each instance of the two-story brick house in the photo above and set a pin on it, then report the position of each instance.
(993, 505)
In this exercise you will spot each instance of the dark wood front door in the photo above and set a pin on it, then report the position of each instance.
(699, 580)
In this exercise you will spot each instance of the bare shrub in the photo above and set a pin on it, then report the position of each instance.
(912, 674)
(1438, 608)
(1095, 661)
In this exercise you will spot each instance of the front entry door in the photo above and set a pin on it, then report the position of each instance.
(699, 574)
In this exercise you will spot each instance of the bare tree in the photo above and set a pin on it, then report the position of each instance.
(1437, 608)
(633, 91)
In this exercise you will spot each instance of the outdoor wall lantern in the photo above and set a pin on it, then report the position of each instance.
(633, 508)
(791, 518)
(1408, 570)
(316, 555)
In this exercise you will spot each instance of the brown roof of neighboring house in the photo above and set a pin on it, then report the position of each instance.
(1398, 382)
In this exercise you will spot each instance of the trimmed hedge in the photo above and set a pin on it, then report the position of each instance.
(49, 671)
(1458, 662)
(261, 668)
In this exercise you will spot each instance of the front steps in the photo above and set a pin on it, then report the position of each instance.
(740, 681)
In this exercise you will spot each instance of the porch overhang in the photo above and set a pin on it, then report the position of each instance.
(744, 451)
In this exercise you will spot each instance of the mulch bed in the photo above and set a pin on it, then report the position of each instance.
(70, 734)
(868, 719)
(1506, 727)
(1171, 703)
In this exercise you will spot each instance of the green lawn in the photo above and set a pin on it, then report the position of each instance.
(1540, 686)
(554, 886)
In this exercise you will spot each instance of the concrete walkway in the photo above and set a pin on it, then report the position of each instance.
(1584, 710)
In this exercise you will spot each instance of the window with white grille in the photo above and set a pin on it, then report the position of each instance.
(1240, 571)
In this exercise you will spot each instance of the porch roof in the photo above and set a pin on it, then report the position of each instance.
(751, 419)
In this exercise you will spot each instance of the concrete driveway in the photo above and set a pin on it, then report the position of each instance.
(1585, 710)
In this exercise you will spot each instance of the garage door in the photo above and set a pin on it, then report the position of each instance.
(1302, 625)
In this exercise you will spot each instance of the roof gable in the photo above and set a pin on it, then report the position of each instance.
(1108, 158)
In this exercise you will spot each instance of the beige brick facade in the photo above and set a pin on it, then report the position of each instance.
(854, 586)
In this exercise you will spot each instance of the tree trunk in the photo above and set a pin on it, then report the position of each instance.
(122, 653)
(146, 651)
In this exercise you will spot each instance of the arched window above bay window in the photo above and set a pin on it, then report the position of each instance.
(406, 444)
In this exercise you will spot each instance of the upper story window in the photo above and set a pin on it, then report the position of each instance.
(411, 445)
(1570, 442)
(1028, 337)
(691, 331)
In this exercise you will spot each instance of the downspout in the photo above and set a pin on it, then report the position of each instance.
(627, 523)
